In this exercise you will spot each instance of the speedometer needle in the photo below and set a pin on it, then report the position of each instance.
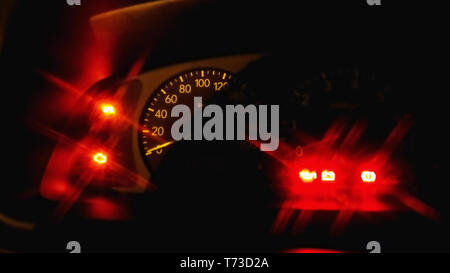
(149, 152)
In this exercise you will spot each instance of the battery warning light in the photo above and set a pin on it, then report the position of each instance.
(328, 176)
(368, 176)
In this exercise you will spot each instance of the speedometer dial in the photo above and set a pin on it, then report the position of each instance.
(155, 122)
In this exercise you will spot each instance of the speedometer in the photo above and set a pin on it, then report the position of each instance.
(155, 122)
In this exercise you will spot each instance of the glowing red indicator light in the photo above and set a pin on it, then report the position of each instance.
(328, 176)
(368, 176)
(100, 158)
(108, 109)
(307, 176)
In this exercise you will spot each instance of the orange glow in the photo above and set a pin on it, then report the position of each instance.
(328, 176)
(368, 176)
(100, 158)
(108, 109)
(307, 176)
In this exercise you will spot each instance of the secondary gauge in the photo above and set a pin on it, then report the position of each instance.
(156, 122)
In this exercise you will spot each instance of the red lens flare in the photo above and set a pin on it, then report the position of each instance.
(97, 116)
(314, 250)
(355, 177)
(105, 209)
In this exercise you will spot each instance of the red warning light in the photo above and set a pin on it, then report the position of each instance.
(100, 158)
(368, 176)
(307, 176)
(328, 176)
(108, 109)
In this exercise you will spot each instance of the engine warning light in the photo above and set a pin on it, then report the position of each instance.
(100, 158)
(328, 176)
(368, 176)
(307, 176)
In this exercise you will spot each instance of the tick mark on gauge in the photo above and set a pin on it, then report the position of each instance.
(164, 92)
(181, 79)
(150, 109)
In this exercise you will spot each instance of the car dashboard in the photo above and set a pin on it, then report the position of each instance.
(354, 154)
